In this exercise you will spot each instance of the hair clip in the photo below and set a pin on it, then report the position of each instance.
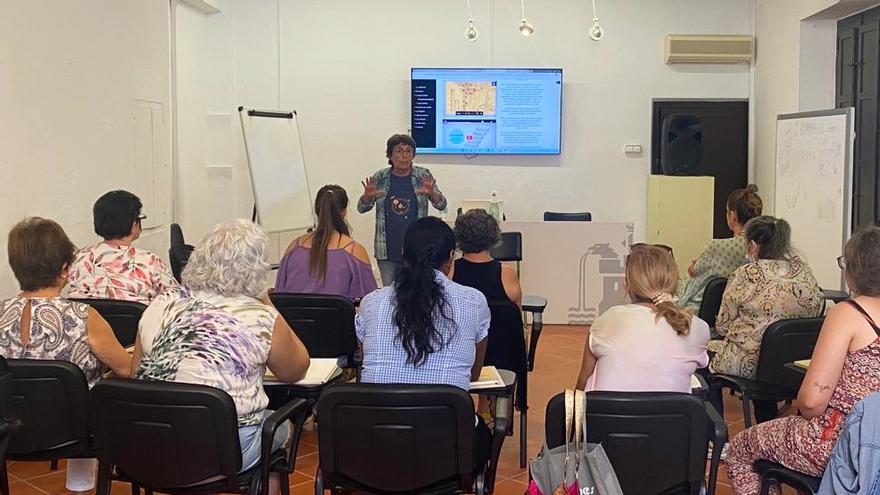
(663, 297)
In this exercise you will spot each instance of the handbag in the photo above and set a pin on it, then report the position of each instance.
(577, 467)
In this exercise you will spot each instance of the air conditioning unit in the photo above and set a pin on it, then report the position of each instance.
(709, 48)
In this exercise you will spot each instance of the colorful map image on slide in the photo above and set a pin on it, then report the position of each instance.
(470, 98)
(469, 135)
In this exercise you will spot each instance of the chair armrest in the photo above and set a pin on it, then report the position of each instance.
(718, 434)
(737, 383)
(298, 411)
(503, 408)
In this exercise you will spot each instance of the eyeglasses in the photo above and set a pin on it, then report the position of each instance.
(404, 151)
(841, 262)
(640, 245)
(141, 218)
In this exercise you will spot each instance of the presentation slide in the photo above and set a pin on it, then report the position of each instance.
(487, 111)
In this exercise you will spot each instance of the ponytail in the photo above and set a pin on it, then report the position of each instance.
(419, 296)
(330, 202)
(678, 318)
(652, 276)
(772, 235)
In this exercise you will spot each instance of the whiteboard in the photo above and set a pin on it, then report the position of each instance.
(277, 169)
(813, 186)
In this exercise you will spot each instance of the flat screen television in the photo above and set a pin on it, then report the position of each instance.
(487, 111)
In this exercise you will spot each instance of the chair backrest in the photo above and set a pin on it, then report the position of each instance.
(123, 317)
(506, 348)
(581, 216)
(165, 434)
(510, 247)
(178, 253)
(5, 390)
(324, 323)
(711, 303)
(395, 438)
(785, 341)
(50, 399)
(656, 441)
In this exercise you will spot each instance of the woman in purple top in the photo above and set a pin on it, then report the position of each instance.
(327, 260)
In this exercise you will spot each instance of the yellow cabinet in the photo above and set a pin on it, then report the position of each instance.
(680, 215)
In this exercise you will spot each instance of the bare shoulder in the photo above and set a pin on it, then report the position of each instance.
(360, 252)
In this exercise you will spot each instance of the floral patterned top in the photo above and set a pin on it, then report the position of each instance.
(759, 294)
(210, 339)
(57, 331)
(112, 271)
(720, 258)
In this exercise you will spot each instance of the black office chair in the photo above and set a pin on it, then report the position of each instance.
(656, 441)
(182, 438)
(401, 439)
(49, 402)
(324, 323)
(178, 253)
(123, 317)
(582, 216)
(784, 341)
(506, 350)
(6, 420)
(711, 303)
(776, 474)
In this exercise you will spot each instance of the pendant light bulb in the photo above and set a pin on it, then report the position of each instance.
(471, 33)
(596, 32)
(526, 28)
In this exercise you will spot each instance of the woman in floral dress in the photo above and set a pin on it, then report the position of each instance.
(221, 330)
(845, 368)
(113, 268)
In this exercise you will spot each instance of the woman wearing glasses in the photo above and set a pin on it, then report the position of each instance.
(113, 268)
(845, 368)
(400, 194)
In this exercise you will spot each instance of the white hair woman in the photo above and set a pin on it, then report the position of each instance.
(220, 329)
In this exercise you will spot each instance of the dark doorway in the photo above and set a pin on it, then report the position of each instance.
(724, 143)
(858, 79)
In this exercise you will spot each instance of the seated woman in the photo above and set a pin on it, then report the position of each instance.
(476, 232)
(844, 369)
(40, 324)
(425, 328)
(650, 344)
(221, 330)
(775, 285)
(722, 256)
(327, 260)
(113, 268)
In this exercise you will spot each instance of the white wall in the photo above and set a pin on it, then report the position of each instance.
(72, 75)
(344, 66)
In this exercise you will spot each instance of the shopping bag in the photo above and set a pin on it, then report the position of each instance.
(576, 467)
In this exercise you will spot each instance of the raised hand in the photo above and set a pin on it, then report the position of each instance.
(371, 190)
(427, 186)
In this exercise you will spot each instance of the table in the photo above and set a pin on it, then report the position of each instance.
(577, 265)
(503, 413)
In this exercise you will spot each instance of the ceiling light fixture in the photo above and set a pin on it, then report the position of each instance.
(471, 33)
(596, 31)
(525, 27)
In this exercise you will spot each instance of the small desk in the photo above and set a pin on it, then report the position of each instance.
(503, 415)
(799, 366)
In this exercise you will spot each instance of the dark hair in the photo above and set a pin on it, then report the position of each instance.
(38, 252)
(394, 141)
(772, 235)
(862, 253)
(745, 203)
(115, 213)
(329, 203)
(419, 296)
(476, 231)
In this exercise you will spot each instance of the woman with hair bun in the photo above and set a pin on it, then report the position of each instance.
(721, 256)
(650, 345)
(327, 260)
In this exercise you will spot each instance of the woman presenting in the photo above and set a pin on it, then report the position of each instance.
(402, 192)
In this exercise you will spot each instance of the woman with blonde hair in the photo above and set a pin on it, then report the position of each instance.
(649, 345)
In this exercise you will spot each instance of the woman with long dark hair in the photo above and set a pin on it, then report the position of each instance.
(425, 328)
(327, 260)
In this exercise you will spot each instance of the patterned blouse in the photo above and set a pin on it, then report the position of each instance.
(757, 295)
(112, 271)
(57, 331)
(210, 339)
(720, 258)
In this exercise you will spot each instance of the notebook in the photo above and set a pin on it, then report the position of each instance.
(489, 378)
(321, 371)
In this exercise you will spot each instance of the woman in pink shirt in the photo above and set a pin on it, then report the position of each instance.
(650, 345)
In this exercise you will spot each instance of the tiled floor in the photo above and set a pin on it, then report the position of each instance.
(556, 367)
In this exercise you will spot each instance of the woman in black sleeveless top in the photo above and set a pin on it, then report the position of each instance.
(475, 233)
